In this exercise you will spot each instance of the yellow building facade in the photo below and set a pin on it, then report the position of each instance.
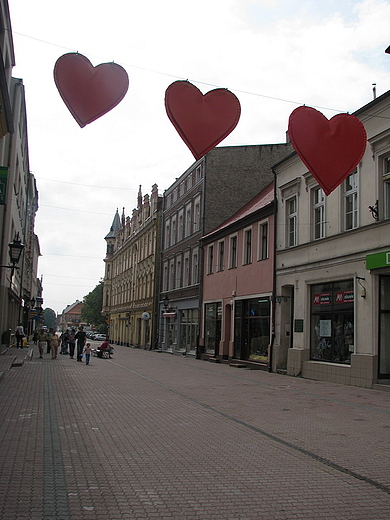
(131, 279)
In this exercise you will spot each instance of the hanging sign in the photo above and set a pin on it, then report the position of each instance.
(89, 92)
(330, 149)
(202, 121)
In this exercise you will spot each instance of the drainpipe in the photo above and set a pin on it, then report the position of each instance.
(273, 302)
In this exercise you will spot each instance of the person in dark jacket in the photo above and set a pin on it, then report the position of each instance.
(81, 338)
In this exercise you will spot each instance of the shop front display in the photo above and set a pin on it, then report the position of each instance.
(332, 322)
(213, 322)
(252, 329)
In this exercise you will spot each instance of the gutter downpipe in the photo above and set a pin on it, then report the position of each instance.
(271, 346)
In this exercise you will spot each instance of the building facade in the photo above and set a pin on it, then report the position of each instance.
(238, 283)
(18, 194)
(332, 322)
(131, 280)
(70, 318)
(203, 197)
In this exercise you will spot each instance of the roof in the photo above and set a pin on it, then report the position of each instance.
(115, 226)
(260, 201)
(71, 307)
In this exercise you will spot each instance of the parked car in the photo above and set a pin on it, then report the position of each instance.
(99, 337)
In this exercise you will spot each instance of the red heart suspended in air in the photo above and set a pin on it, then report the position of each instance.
(331, 149)
(202, 121)
(89, 92)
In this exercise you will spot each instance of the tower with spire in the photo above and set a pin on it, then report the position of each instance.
(130, 292)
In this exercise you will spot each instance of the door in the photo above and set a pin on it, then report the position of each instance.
(384, 328)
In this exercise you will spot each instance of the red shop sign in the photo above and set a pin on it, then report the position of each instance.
(322, 299)
(344, 297)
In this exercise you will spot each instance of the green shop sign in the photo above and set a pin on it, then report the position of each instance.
(377, 260)
(3, 184)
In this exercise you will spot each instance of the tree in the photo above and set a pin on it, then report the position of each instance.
(92, 307)
(50, 318)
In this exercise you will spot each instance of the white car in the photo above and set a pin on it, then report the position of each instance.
(99, 337)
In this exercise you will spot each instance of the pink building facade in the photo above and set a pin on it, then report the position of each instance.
(238, 284)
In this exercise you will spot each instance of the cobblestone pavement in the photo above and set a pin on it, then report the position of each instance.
(148, 436)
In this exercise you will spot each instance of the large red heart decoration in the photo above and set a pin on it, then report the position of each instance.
(202, 121)
(89, 92)
(331, 149)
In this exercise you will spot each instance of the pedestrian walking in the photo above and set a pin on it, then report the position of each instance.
(48, 338)
(35, 336)
(41, 341)
(71, 343)
(54, 342)
(81, 338)
(64, 342)
(87, 352)
(19, 335)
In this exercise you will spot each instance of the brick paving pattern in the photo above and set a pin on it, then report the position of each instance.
(153, 436)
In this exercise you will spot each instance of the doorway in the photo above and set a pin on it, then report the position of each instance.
(384, 327)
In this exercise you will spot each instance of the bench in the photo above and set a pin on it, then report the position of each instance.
(105, 354)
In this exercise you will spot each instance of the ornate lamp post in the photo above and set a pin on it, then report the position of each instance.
(15, 251)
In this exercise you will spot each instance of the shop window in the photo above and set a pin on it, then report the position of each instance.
(212, 327)
(189, 327)
(332, 322)
(252, 329)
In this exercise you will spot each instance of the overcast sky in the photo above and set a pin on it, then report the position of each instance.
(275, 55)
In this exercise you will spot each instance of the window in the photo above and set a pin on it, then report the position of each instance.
(247, 246)
(189, 329)
(233, 252)
(318, 202)
(252, 328)
(171, 275)
(178, 272)
(351, 201)
(332, 322)
(186, 273)
(212, 327)
(386, 185)
(210, 260)
(180, 234)
(292, 222)
(173, 231)
(197, 214)
(188, 229)
(195, 267)
(165, 277)
(167, 233)
(263, 241)
(221, 255)
(199, 172)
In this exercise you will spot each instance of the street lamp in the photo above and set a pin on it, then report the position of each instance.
(166, 302)
(15, 249)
